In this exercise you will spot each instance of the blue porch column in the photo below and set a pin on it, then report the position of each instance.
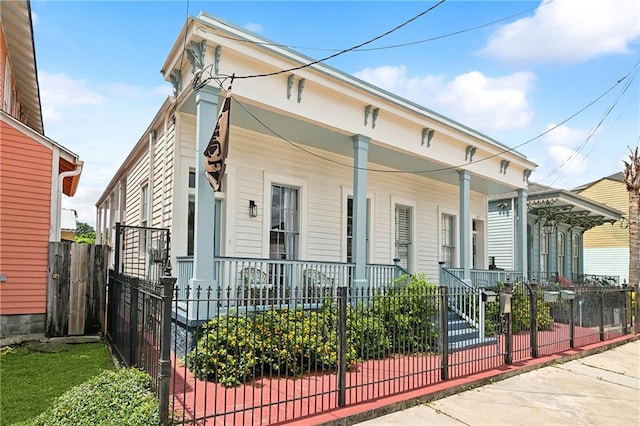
(521, 235)
(204, 223)
(360, 163)
(465, 222)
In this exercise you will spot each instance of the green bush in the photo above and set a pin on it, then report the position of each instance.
(121, 397)
(520, 310)
(226, 351)
(232, 349)
(409, 313)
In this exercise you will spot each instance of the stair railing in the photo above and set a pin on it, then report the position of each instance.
(463, 298)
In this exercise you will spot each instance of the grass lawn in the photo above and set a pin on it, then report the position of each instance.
(33, 375)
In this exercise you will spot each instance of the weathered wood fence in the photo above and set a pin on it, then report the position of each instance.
(76, 289)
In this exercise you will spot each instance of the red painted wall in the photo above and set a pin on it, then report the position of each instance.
(25, 209)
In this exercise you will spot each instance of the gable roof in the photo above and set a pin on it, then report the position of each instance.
(618, 177)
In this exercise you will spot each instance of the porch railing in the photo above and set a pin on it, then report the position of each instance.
(463, 298)
(267, 281)
(487, 278)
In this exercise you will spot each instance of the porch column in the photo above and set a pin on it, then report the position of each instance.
(204, 229)
(465, 221)
(521, 234)
(360, 163)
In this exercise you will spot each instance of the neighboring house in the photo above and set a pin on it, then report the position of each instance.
(68, 224)
(34, 172)
(606, 248)
(556, 223)
(319, 168)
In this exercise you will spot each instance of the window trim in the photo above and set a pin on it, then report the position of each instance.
(456, 236)
(560, 253)
(544, 251)
(413, 249)
(347, 192)
(302, 184)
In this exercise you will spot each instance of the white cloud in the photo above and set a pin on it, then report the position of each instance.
(485, 103)
(256, 28)
(568, 31)
(34, 18)
(59, 92)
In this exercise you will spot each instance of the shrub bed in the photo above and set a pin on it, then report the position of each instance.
(123, 397)
(233, 349)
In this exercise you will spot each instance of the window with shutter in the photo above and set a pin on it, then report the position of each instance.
(350, 229)
(403, 235)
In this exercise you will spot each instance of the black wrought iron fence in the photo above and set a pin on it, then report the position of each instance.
(219, 358)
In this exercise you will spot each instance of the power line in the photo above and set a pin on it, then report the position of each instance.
(440, 169)
(393, 46)
(405, 23)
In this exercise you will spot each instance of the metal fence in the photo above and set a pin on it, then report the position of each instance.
(290, 361)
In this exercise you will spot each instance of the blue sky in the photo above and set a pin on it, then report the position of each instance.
(100, 82)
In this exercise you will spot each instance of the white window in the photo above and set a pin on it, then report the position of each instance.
(284, 234)
(403, 235)
(544, 252)
(575, 254)
(448, 238)
(350, 224)
(561, 248)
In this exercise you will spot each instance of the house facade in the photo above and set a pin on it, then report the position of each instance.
(321, 166)
(557, 223)
(607, 248)
(34, 173)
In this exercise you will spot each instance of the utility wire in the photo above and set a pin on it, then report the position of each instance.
(269, 74)
(393, 46)
(440, 169)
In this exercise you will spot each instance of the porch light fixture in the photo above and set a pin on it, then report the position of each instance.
(549, 226)
(253, 209)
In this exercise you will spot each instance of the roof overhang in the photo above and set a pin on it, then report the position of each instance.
(565, 207)
(18, 32)
(68, 161)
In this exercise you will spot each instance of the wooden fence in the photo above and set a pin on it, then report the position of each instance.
(76, 289)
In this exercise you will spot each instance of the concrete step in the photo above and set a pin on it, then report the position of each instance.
(471, 343)
(463, 334)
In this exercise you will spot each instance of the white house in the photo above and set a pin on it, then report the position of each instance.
(322, 167)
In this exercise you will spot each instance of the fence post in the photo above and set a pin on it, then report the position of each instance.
(342, 345)
(572, 324)
(133, 321)
(533, 326)
(602, 336)
(636, 308)
(625, 311)
(396, 270)
(116, 255)
(508, 343)
(164, 373)
(444, 333)
(482, 313)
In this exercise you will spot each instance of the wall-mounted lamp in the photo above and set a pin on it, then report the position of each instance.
(253, 209)
(549, 226)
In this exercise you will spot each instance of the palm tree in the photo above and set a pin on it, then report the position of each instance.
(632, 181)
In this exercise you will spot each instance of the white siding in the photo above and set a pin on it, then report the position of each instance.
(501, 228)
(607, 261)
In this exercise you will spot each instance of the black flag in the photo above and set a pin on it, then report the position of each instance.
(215, 154)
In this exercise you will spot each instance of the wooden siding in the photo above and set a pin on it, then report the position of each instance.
(607, 261)
(501, 228)
(613, 194)
(25, 203)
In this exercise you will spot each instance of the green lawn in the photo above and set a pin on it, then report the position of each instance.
(32, 376)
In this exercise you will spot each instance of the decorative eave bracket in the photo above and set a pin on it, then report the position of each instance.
(471, 151)
(427, 135)
(195, 55)
(504, 165)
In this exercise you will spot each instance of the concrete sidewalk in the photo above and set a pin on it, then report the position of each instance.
(601, 389)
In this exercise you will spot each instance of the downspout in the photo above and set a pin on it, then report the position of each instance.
(61, 176)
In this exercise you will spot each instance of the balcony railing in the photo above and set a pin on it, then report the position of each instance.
(261, 282)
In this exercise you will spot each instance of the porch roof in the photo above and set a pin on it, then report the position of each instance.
(563, 206)
(335, 107)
